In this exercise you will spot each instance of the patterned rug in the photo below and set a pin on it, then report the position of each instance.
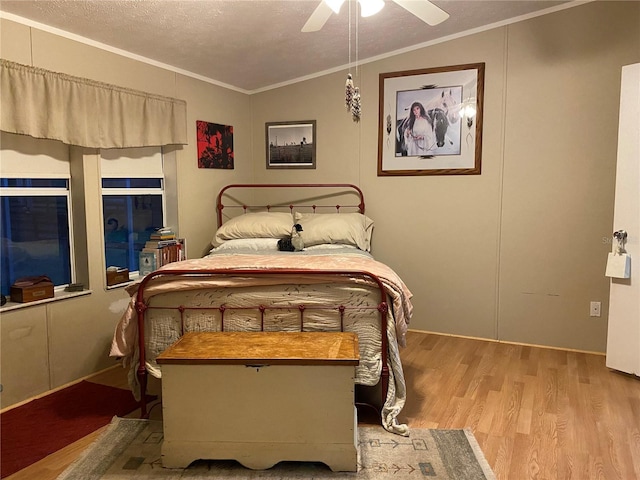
(130, 450)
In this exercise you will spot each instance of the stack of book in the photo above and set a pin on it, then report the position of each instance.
(162, 247)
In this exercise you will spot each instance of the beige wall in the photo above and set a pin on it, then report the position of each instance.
(564, 71)
(514, 254)
(43, 347)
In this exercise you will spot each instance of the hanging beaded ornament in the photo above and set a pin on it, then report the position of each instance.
(348, 92)
(355, 105)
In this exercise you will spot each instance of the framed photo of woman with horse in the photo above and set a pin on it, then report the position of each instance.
(431, 121)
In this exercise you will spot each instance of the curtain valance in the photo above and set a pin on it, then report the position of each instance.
(87, 113)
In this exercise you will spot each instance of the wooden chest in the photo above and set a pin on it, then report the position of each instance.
(116, 277)
(260, 398)
(39, 291)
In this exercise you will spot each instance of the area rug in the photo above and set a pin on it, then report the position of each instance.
(38, 428)
(130, 450)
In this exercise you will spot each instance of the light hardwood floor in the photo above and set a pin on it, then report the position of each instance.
(537, 413)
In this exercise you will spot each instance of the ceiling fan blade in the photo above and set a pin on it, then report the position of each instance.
(424, 10)
(318, 18)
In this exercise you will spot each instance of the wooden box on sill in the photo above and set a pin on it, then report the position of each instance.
(117, 276)
(31, 293)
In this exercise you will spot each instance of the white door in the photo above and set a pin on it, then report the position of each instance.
(623, 339)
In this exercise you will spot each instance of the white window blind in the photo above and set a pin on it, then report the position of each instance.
(24, 157)
(131, 163)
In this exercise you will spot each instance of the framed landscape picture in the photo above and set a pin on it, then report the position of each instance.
(430, 121)
(291, 144)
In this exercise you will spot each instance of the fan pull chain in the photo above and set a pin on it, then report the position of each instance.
(357, 42)
(348, 87)
(351, 92)
(356, 106)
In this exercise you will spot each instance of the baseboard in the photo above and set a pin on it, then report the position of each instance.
(506, 342)
(44, 394)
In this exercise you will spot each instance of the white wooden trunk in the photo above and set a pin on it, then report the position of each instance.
(259, 414)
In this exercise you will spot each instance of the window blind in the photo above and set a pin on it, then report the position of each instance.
(131, 163)
(23, 157)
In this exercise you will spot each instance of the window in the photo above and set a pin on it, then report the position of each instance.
(35, 230)
(132, 202)
(35, 211)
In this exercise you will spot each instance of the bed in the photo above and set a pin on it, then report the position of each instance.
(246, 283)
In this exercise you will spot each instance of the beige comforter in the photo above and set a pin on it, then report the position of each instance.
(124, 342)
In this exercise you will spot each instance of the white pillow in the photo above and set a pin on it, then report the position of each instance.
(343, 228)
(255, 225)
(248, 245)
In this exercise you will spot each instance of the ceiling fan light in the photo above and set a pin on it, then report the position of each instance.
(334, 4)
(370, 7)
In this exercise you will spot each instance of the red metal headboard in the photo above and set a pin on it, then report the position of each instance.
(350, 189)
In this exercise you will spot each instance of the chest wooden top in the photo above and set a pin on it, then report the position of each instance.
(263, 348)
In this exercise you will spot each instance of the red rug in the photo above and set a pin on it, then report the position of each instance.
(36, 429)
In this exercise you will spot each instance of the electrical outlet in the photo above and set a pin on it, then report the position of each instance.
(594, 309)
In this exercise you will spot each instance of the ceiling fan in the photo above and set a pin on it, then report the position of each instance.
(423, 9)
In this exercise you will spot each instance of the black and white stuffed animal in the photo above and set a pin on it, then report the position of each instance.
(294, 243)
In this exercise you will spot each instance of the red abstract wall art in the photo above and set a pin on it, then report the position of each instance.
(215, 145)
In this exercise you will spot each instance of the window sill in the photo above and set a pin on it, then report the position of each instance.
(62, 295)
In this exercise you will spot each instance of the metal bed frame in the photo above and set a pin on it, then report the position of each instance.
(142, 305)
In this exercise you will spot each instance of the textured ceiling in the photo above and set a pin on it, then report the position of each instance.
(256, 45)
